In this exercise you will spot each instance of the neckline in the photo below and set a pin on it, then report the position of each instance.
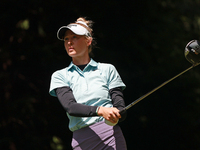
(82, 66)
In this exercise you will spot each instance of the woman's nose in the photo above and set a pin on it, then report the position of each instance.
(69, 42)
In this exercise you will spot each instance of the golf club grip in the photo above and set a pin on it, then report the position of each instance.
(122, 111)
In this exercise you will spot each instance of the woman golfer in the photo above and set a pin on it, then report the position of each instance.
(90, 92)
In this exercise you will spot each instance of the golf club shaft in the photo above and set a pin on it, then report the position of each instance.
(155, 89)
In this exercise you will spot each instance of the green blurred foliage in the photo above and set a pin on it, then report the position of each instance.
(145, 40)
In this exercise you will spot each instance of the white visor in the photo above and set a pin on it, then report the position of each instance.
(76, 28)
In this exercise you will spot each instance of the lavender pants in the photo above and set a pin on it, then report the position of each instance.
(99, 136)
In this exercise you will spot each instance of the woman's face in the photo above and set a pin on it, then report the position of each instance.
(76, 45)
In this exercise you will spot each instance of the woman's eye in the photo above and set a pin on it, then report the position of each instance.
(74, 37)
(65, 39)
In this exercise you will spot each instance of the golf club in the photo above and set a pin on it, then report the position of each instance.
(191, 52)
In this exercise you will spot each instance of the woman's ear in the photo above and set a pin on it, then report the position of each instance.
(89, 41)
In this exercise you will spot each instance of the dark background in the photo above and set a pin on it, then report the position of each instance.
(145, 40)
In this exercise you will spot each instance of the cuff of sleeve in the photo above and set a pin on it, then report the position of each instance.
(97, 110)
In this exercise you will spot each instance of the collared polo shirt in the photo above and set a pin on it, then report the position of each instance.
(90, 87)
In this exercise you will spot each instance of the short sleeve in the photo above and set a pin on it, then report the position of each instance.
(58, 79)
(114, 79)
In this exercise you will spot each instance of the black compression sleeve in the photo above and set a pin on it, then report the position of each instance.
(118, 100)
(73, 108)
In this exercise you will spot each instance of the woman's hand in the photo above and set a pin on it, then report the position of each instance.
(110, 114)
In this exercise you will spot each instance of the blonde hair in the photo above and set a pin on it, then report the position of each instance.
(89, 28)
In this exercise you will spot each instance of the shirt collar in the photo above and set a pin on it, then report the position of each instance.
(92, 63)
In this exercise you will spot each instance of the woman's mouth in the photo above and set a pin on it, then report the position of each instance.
(71, 49)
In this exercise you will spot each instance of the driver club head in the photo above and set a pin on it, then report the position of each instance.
(192, 52)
